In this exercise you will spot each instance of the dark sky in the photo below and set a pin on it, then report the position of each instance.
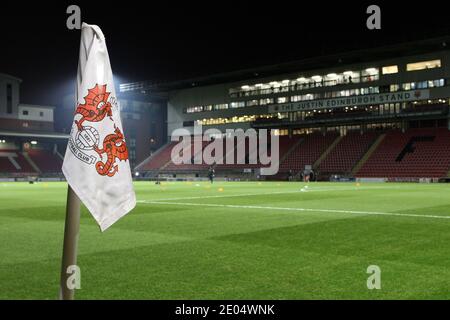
(173, 40)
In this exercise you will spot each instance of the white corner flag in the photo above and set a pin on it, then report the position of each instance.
(96, 163)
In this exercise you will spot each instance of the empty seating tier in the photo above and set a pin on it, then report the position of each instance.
(46, 161)
(12, 161)
(347, 152)
(308, 151)
(417, 153)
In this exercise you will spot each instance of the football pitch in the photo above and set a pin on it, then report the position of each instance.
(235, 240)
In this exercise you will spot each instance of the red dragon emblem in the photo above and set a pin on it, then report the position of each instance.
(115, 147)
(95, 109)
(96, 106)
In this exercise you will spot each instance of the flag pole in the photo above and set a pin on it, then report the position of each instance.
(69, 257)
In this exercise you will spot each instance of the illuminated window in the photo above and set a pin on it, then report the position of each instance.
(221, 106)
(280, 132)
(431, 64)
(194, 109)
(265, 101)
(390, 69)
(422, 85)
(296, 98)
(369, 74)
(239, 104)
(394, 88)
(435, 83)
(252, 103)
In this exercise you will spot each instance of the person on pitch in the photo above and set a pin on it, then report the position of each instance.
(211, 174)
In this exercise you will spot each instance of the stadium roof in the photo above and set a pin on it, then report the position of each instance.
(4, 75)
(320, 62)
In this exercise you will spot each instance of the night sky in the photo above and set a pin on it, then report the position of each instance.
(174, 40)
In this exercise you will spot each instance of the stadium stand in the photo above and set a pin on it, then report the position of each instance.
(5, 164)
(238, 158)
(159, 159)
(414, 154)
(307, 152)
(47, 161)
(192, 152)
(347, 152)
(13, 162)
(285, 143)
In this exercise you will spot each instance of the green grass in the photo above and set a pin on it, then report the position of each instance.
(228, 245)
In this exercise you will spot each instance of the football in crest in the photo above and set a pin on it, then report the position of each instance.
(87, 138)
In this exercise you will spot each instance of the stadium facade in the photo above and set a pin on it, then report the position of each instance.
(29, 144)
(379, 114)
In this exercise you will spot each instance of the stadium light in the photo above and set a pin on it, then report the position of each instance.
(33, 142)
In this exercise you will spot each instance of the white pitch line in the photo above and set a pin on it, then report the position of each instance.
(262, 194)
(299, 209)
(222, 196)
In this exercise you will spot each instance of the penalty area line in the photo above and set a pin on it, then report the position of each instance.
(233, 206)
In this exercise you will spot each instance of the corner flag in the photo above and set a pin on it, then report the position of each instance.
(96, 162)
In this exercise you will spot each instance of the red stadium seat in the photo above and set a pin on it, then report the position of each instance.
(45, 160)
(159, 159)
(6, 166)
(308, 152)
(347, 153)
(429, 159)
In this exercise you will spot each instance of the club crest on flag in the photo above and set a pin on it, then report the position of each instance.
(87, 139)
(85, 142)
(96, 106)
(115, 148)
(96, 164)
